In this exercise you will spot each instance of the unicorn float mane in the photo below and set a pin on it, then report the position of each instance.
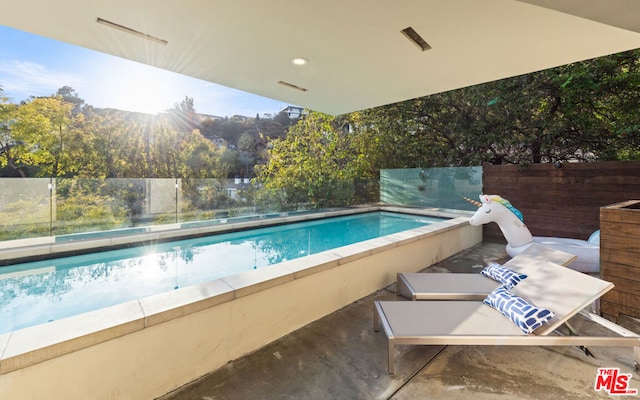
(506, 203)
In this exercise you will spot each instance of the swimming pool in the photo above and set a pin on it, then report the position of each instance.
(43, 291)
(144, 348)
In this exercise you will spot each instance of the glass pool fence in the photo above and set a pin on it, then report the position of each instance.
(62, 207)
(36, 207)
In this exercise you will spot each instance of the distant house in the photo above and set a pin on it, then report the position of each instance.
(293, 112)
(202, 117)
(238, 118)
(217, 140)
(234, 185)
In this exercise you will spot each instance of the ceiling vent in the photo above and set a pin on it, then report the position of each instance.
(292, 86)
(415, 38)
(131, 31)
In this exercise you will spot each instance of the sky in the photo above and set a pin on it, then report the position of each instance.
(32, 65)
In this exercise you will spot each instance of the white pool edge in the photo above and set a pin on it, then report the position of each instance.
(148, 347)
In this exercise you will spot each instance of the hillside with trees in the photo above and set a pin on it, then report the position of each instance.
(62, 136)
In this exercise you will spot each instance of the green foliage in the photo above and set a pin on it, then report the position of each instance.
(59, 138)
(585, 111)
(87, 205)
(204, 194)
(198, 157)
(9, 148)
(86, 212)
(318, 162)
(246, 140)
(24, 218)
(44, 137)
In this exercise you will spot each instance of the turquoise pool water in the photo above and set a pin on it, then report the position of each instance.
(38, 292)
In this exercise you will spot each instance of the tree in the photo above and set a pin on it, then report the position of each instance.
(45, 138)
(183, 115)
(115, 144)
(248, 150)
(187, 105)
(199, 158)
(69, 95)
(318, 162)
(228, 162)
(585, 111)
(9, 147)
(602, 101)
(283, 119)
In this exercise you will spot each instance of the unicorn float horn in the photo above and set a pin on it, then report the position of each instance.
(475, 203)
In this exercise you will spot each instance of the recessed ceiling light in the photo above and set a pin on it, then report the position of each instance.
(299, 61)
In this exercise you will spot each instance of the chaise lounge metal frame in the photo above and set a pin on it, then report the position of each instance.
(471, 322)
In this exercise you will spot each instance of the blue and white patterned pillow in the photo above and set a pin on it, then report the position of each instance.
(502, 274)
(526, 316)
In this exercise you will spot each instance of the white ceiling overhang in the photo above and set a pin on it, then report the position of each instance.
(358, 57)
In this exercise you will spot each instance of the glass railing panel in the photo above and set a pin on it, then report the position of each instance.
(78, 208)
(203, 199)
(161, 201)
(431, 187)
(86, 205)
(26, 207)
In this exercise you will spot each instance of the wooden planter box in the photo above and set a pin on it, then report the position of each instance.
(620, 258)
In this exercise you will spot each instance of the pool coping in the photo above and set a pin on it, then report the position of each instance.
(26, 347)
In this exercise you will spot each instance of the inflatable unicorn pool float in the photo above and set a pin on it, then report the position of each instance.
(494, 208)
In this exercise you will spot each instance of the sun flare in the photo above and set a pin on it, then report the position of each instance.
(140, 88)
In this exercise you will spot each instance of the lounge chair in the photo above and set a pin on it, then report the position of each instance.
(452, 322)
(473, 286)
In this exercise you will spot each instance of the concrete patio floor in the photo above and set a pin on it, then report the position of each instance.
(341, 357)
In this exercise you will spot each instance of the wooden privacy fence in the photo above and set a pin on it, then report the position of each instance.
(561, 201)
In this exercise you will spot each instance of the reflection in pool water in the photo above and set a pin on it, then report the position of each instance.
(37, 292)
